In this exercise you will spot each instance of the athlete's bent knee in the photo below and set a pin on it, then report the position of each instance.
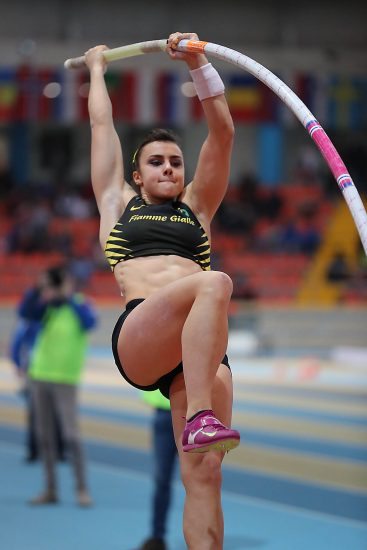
(217, 283)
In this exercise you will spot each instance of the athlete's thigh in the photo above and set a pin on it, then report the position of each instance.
(150, 338)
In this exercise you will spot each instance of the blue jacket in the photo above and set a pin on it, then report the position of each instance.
(31, 312)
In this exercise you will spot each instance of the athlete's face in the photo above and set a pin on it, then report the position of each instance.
(161, 170)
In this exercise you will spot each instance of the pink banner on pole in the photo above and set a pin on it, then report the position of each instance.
(330, 154)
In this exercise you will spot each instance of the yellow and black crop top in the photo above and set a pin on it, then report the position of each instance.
(153, 229)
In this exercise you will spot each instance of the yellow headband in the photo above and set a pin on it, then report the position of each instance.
(134, 156)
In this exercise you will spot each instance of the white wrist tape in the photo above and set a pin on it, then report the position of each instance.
(207, 81)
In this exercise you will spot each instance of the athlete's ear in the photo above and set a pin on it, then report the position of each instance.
(137, 178)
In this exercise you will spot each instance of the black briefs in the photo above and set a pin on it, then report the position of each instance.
(163, 384)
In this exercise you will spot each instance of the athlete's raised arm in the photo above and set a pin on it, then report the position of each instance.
(107, 170)
(210, 181)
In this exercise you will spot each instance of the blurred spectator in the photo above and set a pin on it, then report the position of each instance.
(338, 270)
(6, 178)
(301, 233)
(30, 229)
(55, 370)
(72, 204)
(81, 269)
(269, 203)
(242, 288)
(247, 204)
(266, 202)
(164, 460)
(299, 237)
(248, 199)
(21, 346)
(357, 283)
(354, 156)
(235, 218)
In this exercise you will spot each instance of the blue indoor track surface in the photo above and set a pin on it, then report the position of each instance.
(298, 481)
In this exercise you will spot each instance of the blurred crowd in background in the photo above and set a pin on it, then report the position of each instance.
(254, 221)
(274, 225)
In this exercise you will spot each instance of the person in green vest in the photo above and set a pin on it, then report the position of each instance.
(164, 459)
(55, 370)
(20, 351)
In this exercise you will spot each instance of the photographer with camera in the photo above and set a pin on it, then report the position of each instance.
(55, 370)
(21, 345)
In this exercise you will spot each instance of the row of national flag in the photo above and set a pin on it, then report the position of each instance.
(152, 97)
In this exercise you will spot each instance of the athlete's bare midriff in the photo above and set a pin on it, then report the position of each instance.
(140, 277)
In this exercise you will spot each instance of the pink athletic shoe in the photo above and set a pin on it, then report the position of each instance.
(205, 433)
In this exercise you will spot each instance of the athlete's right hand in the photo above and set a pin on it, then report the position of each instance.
(94, 57)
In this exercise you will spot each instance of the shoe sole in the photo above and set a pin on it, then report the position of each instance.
(224, 445)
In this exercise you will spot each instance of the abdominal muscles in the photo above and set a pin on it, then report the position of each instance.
(140, 277)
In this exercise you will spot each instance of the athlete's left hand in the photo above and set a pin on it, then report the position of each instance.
(194, 60)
